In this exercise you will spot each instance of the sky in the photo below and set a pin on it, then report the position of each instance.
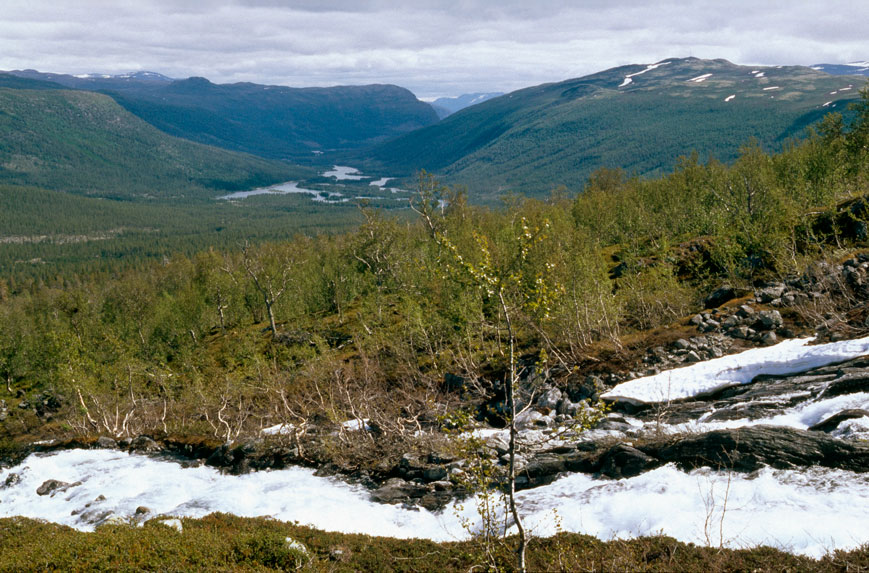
(434, 48)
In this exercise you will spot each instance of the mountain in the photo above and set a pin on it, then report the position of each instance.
(852, 69)
(270, 121)
(445, 106)
(85, 142)
(640, 118)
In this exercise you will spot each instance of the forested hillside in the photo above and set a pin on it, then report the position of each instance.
(86, 143)
(276, 122)
(638, 118)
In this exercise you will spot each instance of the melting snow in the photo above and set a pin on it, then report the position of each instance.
(730, 97)
(704, 378)
(771, 88)
(699, 79)
(826, 104)
(649, 67)
(808, 512)
(758, 74)
(811, 511)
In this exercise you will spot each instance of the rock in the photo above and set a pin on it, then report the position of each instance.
(589, 388)
(719, 296)
(544, 465)
(682, 344)
(768, 338)
(112, 519)
(731, 321)
(768, 320)
(833, 421)
(749, 448)
(142, 510)
(745, 311)
(144, 445)
(11, 480)
(498, 443)
(550, 399)
(623, 461)
(397, 490)
(52, 486)
(692, 357)
(106, 443)
(530, 419)
(696, 320)
(711, 325)
(436, 473)
(770, 293)
(742, 332)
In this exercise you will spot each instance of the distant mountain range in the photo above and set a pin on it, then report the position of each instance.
(445, 106)
(640, 118)
(276, 122)
(852, 69)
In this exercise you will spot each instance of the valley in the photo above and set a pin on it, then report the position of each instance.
(632, 302)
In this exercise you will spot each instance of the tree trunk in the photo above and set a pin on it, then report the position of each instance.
(271, 312)
(511, 472)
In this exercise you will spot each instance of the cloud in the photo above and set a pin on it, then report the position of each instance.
(433, 48)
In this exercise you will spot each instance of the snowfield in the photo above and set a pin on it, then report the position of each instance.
(703, 378)
(806, 512)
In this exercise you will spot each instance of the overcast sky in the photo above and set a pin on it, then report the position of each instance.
(432, 48)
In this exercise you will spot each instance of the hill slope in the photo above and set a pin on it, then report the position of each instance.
(270, 121)
(86, 143)
(638, 118)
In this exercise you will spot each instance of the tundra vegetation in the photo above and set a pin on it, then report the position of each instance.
(370, 323)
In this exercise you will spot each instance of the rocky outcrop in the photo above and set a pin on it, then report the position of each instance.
(748, 449)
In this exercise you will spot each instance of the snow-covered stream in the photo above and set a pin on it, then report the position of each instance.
(810, 511)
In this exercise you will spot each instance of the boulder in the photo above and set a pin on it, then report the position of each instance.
(719, 296)
(770, 293)
(768, 320)
(750, 448)
(52, 486)
(106, 443)
(397, 490)
(624, 461)
(833, 421)
(550, 399)
(11, 480)
(144, 445)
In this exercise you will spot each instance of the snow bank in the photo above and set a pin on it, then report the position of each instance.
(699, 79)
(807, 512)
(648, 68)
(788, 357)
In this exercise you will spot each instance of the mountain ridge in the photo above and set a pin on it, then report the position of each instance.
(537, 138)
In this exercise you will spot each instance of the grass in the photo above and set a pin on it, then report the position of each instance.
(220, 542)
